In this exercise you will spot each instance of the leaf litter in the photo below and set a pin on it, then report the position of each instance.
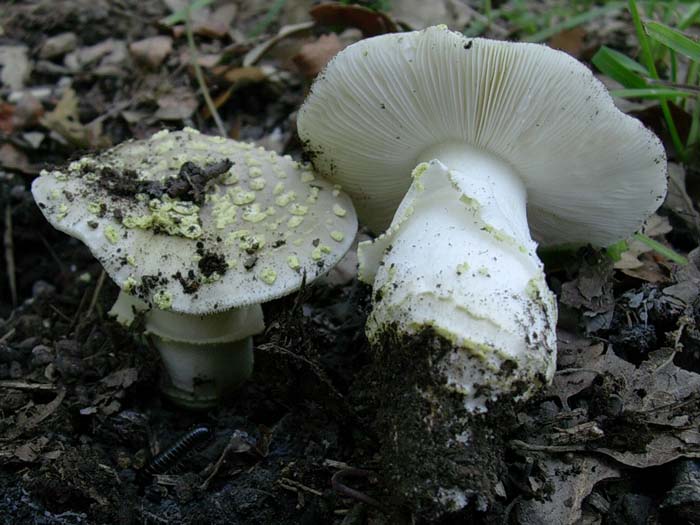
(79, 395)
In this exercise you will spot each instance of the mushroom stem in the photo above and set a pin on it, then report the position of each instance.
(458, 259)
(201, 375)
(207, 357)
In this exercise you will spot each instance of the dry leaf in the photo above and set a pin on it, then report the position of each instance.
(370, 22)
(64, 120)
(28, 111)
(678, 200)
(85, 56)
(572, 483)
(30, 451)
(314, 56)
(14, 159)
(240, 75)
(592, 293)
(687, 288)
(254, 55)
(419, 13)
(58, 45)
(217, 23)
(7, 112)
(179, 104)
(151, 51)
(639, 260)
(121, 378)
(570, 41)
(15, 66)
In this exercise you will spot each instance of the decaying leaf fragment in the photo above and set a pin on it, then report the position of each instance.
(65, 121)
(571, 482)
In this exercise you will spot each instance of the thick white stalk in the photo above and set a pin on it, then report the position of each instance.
(458, 258)
(207, 357)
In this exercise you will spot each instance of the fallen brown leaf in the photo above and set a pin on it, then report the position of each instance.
(151, 51)
(217, 23)
(254, 55)
(572, 481)
(64, 120)
(7, 112)
(570, 41)
(58, 45)
(238, 75)
(678, 200)
(370, 22)
(14, 159)
(314, 56)
(15, 66)
(177, 105)
(28, 111)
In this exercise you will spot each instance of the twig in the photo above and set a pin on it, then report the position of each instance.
(516, 443)
(237, 437)
(53, 254)
(200, 77)
(76, 315)
(10, 254)
(290, 484)
(8, 335)
(23, 385)
(509, 509)
(60, 313)
(575, 370)
(344, 490)
(95, 295)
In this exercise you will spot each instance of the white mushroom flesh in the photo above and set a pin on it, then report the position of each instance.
(458, 258)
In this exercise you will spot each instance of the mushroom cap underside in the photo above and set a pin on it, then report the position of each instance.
(592, 173)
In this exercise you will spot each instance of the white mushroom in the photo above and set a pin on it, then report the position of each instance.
(509, 145)
(506, 142)
(197, 231)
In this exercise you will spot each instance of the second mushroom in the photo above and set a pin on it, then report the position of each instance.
(197, 232)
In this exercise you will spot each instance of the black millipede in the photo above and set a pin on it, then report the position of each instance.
(171, 456)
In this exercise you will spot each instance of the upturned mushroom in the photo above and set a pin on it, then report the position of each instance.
(465, 154)
(197, 232)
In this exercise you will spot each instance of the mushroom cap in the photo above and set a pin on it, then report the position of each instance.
(592, 173)
(199, 224)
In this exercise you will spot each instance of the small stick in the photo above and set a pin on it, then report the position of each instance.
(237, 442)
(95, 295)
(200, 77)
(344, 490)
(23, 385)
(290, 484)
(8, 335)
(10, 254)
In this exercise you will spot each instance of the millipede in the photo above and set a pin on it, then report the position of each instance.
(171, 456)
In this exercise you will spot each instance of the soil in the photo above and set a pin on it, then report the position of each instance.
(309, 439)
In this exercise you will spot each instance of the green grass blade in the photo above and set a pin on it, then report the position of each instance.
(690, 17)
(661, 249)
(616, 250)
(620, 68)
(648, 58)
(652, 93)
(266, 20)
(694, 125)
(574, 21)
(674, 40)
(181, 15)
